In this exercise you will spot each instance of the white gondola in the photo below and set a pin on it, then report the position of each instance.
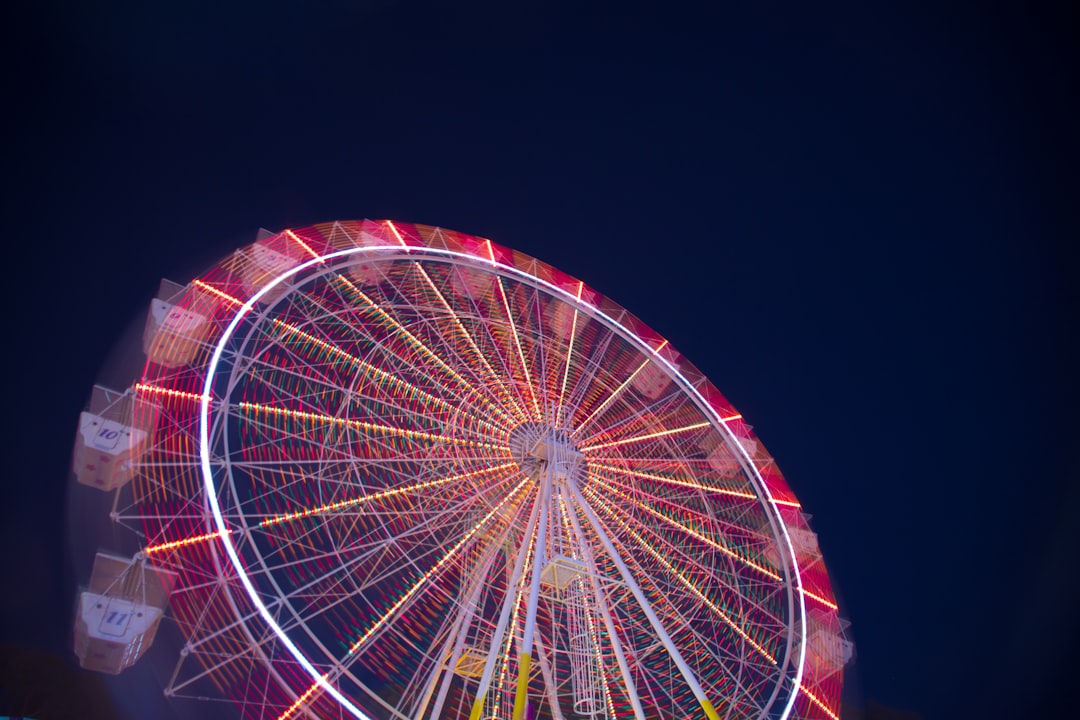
(561, 316)
(803, 540)
(367, 270)
(828, 649)
(113, 434)
(720, 456)
(117, 616)
(653, 381)
(265, 260)
(173, 334)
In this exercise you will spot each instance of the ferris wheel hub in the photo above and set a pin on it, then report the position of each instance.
(543, 450)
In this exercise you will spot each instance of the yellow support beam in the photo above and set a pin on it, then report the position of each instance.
(522, 694)
(710, 711)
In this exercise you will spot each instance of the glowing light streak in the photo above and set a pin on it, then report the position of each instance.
(381, 495)
(368, 367)
(818, 702)
(385, 618)
(674, 481)
(569, 355)
(824, 601)
(394, 230)
(219, 293)
(295, 238)
(150, 550)
(303, 698)
(648, 547)
(650, 436)
(729, 418)
(615, 393)
(169, 392)
(694, 533)
(507, 397)
(424, 350)
(362, 425)
(517, 344)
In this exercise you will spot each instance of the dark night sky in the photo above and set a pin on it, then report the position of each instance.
(858, 223)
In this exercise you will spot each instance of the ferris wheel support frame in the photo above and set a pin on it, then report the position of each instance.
(609, 624)
(504, 617)
(459, 635)
(645, 606)
(525, 652)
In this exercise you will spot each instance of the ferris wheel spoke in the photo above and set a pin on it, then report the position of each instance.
(350, 503)
(453, 646)
(424, 523)
(609, 399)
(381, 621)
(383, 377)
(515, 336)
(684, 626)
(617, 471)
(627, 421)
(507, 613)
(589, 377)
(569, 357)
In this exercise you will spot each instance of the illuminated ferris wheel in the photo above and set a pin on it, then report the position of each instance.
(382, 470)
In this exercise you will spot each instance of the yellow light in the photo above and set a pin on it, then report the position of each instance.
(675, 481)
(182, 543)
(823, 601)
(292, 236)
(517, 344)
(219, 293)
(650, 436)
(394, 230)
(303, 698)
(154, 390)
(690, 531)
(820, 704)
(393, 492)
(361, 425)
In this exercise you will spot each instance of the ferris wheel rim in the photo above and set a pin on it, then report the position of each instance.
(795, 594)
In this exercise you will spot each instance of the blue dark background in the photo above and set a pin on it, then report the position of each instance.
(858, 222)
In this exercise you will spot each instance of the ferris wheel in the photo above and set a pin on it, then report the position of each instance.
(382, 470)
